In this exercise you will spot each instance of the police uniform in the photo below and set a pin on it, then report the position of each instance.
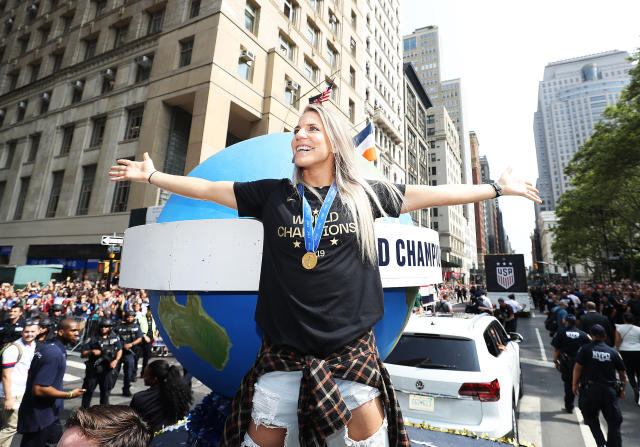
(597, 393)
(128, 333)
(568, 343)
(98, 370)
(10, 332)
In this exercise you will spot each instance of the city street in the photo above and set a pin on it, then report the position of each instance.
(542, 420)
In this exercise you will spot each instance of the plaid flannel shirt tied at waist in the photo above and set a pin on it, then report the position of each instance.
(321, 410)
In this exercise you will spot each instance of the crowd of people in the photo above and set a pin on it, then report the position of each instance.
(113, 329)
(595, 330)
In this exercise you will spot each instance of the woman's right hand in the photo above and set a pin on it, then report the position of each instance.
(135, 171)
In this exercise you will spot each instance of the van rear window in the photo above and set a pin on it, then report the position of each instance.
(434, 352)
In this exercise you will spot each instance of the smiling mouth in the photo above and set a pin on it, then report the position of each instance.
(303, 148)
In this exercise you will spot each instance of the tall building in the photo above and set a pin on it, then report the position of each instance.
(571, 98)
(83, 83)
(444, 168)
(417, 107)
(383, 84)
(476, 176)
(422, 49)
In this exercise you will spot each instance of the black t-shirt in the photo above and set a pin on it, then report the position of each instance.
(599, 362)
(569, 341)
(314, 311)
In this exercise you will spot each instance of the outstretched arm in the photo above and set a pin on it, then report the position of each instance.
(421, 196)
(192, 187)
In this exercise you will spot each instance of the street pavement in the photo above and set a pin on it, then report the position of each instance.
(541, 419)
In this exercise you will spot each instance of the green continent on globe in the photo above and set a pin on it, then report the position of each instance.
(191, 326)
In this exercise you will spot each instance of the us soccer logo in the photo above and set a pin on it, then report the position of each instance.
(505, 275)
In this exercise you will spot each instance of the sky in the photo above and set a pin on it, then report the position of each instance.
(499, 49)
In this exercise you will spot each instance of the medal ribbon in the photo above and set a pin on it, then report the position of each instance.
(313, 234)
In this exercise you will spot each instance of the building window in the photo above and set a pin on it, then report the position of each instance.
(186, 48)
(352, 111)
(134, 122)
(22, 109)
(432, 144)
(90, 46)
(251, 17)
(434, 212)
(97, 135)
(88, 176)
(431, 119)
(35, 69)
(57, 61)
(101, 5)
(291, 92)
(77, 88)
(120, 35)
(312, 34)
(315, 4)
(9, 153)
(353, 19)
(144, 64)
(155, 21)
(194, 10)
(24, 188)
(334, 90)
(24, 44)
(433, 170)
(353, 46)
(44, 102)
(44, 34)
(33, 148)
(245, 65)
(332, 56)
(286, 47)
(310, 70)
(67, 21)
(67, 138)
(289, 9)
(352, 77)
(108, 79)
(120, 197)
(434, 183)
(54, 197)
(424, 217)
(13, 80)
(431, 131)
(333, 22)
(434, 226)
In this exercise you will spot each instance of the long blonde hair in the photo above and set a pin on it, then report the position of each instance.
(355, 192)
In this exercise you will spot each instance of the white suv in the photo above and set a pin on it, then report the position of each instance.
(458, 372)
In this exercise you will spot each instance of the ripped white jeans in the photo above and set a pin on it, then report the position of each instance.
(275, 405)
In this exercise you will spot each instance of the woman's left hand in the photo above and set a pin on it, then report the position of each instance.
(513, 185)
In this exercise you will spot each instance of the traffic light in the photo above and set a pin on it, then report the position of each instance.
(103, 267)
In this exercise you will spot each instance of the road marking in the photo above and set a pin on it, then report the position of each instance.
(542, 353)
(537, 362)
(78, 365)
(70, 378)
(529, 423)
(587, 437)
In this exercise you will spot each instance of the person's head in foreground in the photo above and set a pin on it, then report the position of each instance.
(106, 426)
(597, 332)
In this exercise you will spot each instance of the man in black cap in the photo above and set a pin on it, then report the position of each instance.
(594, 381)
(567, 342)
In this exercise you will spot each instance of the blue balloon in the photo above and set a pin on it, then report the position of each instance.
(221, 360)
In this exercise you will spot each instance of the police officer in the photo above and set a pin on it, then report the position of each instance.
(594, 381)
(46, 333)
(567, 342)
(103, 352)
(55, 314)
(11, 329)
(130, 336)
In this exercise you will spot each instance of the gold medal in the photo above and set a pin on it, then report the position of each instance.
(309, 260)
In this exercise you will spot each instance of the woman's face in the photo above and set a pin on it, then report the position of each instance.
(310, 145)
(148, 378)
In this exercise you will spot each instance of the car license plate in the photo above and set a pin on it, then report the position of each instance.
(421, 403)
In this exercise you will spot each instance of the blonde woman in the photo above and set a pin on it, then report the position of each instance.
(318, 379)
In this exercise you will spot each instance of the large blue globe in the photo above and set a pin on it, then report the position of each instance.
(221, 360)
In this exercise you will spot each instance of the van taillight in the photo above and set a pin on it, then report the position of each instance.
(485, 392)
